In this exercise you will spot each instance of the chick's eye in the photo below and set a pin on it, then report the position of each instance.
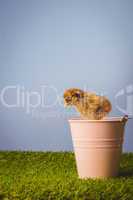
(77, 95)
(68, 99)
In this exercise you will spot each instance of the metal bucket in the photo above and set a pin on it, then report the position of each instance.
(98, 146)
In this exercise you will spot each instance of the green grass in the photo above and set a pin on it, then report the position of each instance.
(53, 176)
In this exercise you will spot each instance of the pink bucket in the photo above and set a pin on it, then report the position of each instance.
(98, 146)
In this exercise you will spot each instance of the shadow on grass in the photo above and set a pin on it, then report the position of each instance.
(2, 196)
(126, 166)
(126, 173)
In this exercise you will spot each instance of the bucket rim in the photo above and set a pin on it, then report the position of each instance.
(106, 119)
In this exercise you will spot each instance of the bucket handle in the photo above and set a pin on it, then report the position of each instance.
(125, 118)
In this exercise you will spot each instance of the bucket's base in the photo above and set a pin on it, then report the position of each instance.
(98, 176)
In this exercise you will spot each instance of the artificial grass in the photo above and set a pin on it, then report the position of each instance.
(53, 176)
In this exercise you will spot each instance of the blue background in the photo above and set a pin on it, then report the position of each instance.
(73, 43)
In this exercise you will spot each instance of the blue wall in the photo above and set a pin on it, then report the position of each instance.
(73, 43)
